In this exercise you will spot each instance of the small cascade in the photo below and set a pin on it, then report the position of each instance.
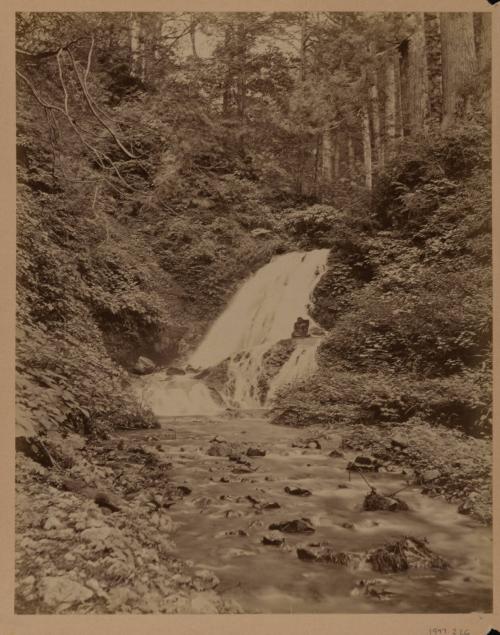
(301, 364)
(261, 314)
(177, 396)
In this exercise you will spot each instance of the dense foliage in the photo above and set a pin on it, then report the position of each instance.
(407, 299)
(162, 158)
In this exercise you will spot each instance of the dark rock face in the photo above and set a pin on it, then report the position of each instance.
(298, 526)
(272, 361)
(144, 366)
(216, 377)
(173, 370)
(378, 502)
(301, 328)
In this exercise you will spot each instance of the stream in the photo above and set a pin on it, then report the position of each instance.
(217, 527)
(256, 344)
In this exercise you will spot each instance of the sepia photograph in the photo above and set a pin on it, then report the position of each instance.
(253, 313)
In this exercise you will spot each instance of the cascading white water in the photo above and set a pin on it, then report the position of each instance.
(265, 308)
(262, 312)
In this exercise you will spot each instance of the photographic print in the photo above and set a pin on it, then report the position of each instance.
(254, 324)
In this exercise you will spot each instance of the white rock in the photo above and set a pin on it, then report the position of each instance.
(52, 523)
(61, 589)
(96, 534)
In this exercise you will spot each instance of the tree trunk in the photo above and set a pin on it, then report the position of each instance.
(375, 118)
(135, 46)
(399, 98)
(416, 81)
(226, 91)
(483, 40)
(390, 106)
(326, 159)
(484, 58)
(350, 156)
(367, 148)
(192, 34)
(336, 159)
(459, 64)
(303, 45)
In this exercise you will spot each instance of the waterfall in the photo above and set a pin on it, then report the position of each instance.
(261, 314)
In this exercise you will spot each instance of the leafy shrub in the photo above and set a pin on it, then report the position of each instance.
(431, 323)
(379, 397)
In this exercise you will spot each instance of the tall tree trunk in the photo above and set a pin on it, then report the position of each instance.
(415, 85)
(350, 155)
(135, 46)
(192, 34)
(483, 25)
(336, 159)
(375, 118)
(483, 40)
(226, 91)
(390, 105)
(459, 64)
(367, 148)
(399, 96)
(326, 159)
(303, 45)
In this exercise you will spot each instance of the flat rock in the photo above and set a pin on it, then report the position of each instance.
(56, 590)
(297, 491)
(96, 534)
(430, 475)
(297, 526)
(399, 441)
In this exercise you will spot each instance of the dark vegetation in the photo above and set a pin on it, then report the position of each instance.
(407, 296)
(137, 223)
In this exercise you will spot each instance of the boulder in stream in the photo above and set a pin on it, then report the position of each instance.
(273, 538)
(255, 452)
(375, 589)
(378, 502)
(406, 553)
(301, 328)
(401, 555)
(324, 552)
(297, 526)
(297, 491)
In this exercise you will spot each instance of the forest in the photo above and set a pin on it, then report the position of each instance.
(163, 158)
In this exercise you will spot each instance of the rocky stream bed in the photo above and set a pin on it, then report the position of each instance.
(233, 514)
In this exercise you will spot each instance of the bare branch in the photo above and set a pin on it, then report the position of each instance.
(90, 103)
